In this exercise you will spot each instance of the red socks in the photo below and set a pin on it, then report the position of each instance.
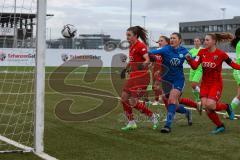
(128, 111)
(188, 102)
(141, 106)
(214, 117)
(191, 103)
(221, 107)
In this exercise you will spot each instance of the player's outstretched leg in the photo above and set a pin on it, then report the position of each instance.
(226, 107)
(215, 119)
(174, 95)
(211, 107)
(181, 109)
(170, 117)
(141, 106)
(192, 104)
(128, 112)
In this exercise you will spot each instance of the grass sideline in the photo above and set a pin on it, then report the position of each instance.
(102, 139)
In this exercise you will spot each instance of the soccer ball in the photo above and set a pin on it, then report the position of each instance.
(69, 31)
(64, 57)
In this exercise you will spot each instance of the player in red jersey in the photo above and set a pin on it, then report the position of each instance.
(139, 77)
(156, 71)
(211, 59)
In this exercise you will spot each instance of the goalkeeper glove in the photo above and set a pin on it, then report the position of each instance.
(152, 58)
(142, 66)
(123, 73)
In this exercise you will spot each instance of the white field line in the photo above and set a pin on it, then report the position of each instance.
(45, 156)
(119, 98)
(24, 149)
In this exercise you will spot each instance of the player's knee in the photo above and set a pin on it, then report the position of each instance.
(172, 101)
(207, 106)
(210, 106)
(203, 103)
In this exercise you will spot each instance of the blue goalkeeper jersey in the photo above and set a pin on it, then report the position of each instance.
(173, 60)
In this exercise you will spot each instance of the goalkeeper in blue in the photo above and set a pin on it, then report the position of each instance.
(173, 78)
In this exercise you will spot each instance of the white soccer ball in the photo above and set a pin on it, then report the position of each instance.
(69, 31)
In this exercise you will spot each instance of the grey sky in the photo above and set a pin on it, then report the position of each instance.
(112, 16)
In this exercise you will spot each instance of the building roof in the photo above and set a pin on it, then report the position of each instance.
(6, 17)
(234, 20)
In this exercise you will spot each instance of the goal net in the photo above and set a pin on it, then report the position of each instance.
(19, 103)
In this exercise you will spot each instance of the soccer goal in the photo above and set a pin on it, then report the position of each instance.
(22, 75)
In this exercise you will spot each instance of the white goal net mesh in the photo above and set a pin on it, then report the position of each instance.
(17, 73)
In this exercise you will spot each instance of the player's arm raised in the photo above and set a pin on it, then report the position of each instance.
(152, 53)
(230, 62)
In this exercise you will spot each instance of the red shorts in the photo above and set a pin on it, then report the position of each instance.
(137, 84)
(213, 91)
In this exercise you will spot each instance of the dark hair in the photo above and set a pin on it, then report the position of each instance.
(221, 37)
(166, 39)
(198, 38)
(140, 33)
(236, 39)
(177, 34)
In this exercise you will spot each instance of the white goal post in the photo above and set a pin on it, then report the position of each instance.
(40, 75)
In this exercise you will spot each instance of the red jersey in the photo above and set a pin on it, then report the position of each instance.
(136, 58)
(158, 62)
(157, 67)
(211, 86)
(212, 65)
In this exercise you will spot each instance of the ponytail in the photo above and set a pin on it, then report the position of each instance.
(236, 39)
(140, 33)
(221, 37)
